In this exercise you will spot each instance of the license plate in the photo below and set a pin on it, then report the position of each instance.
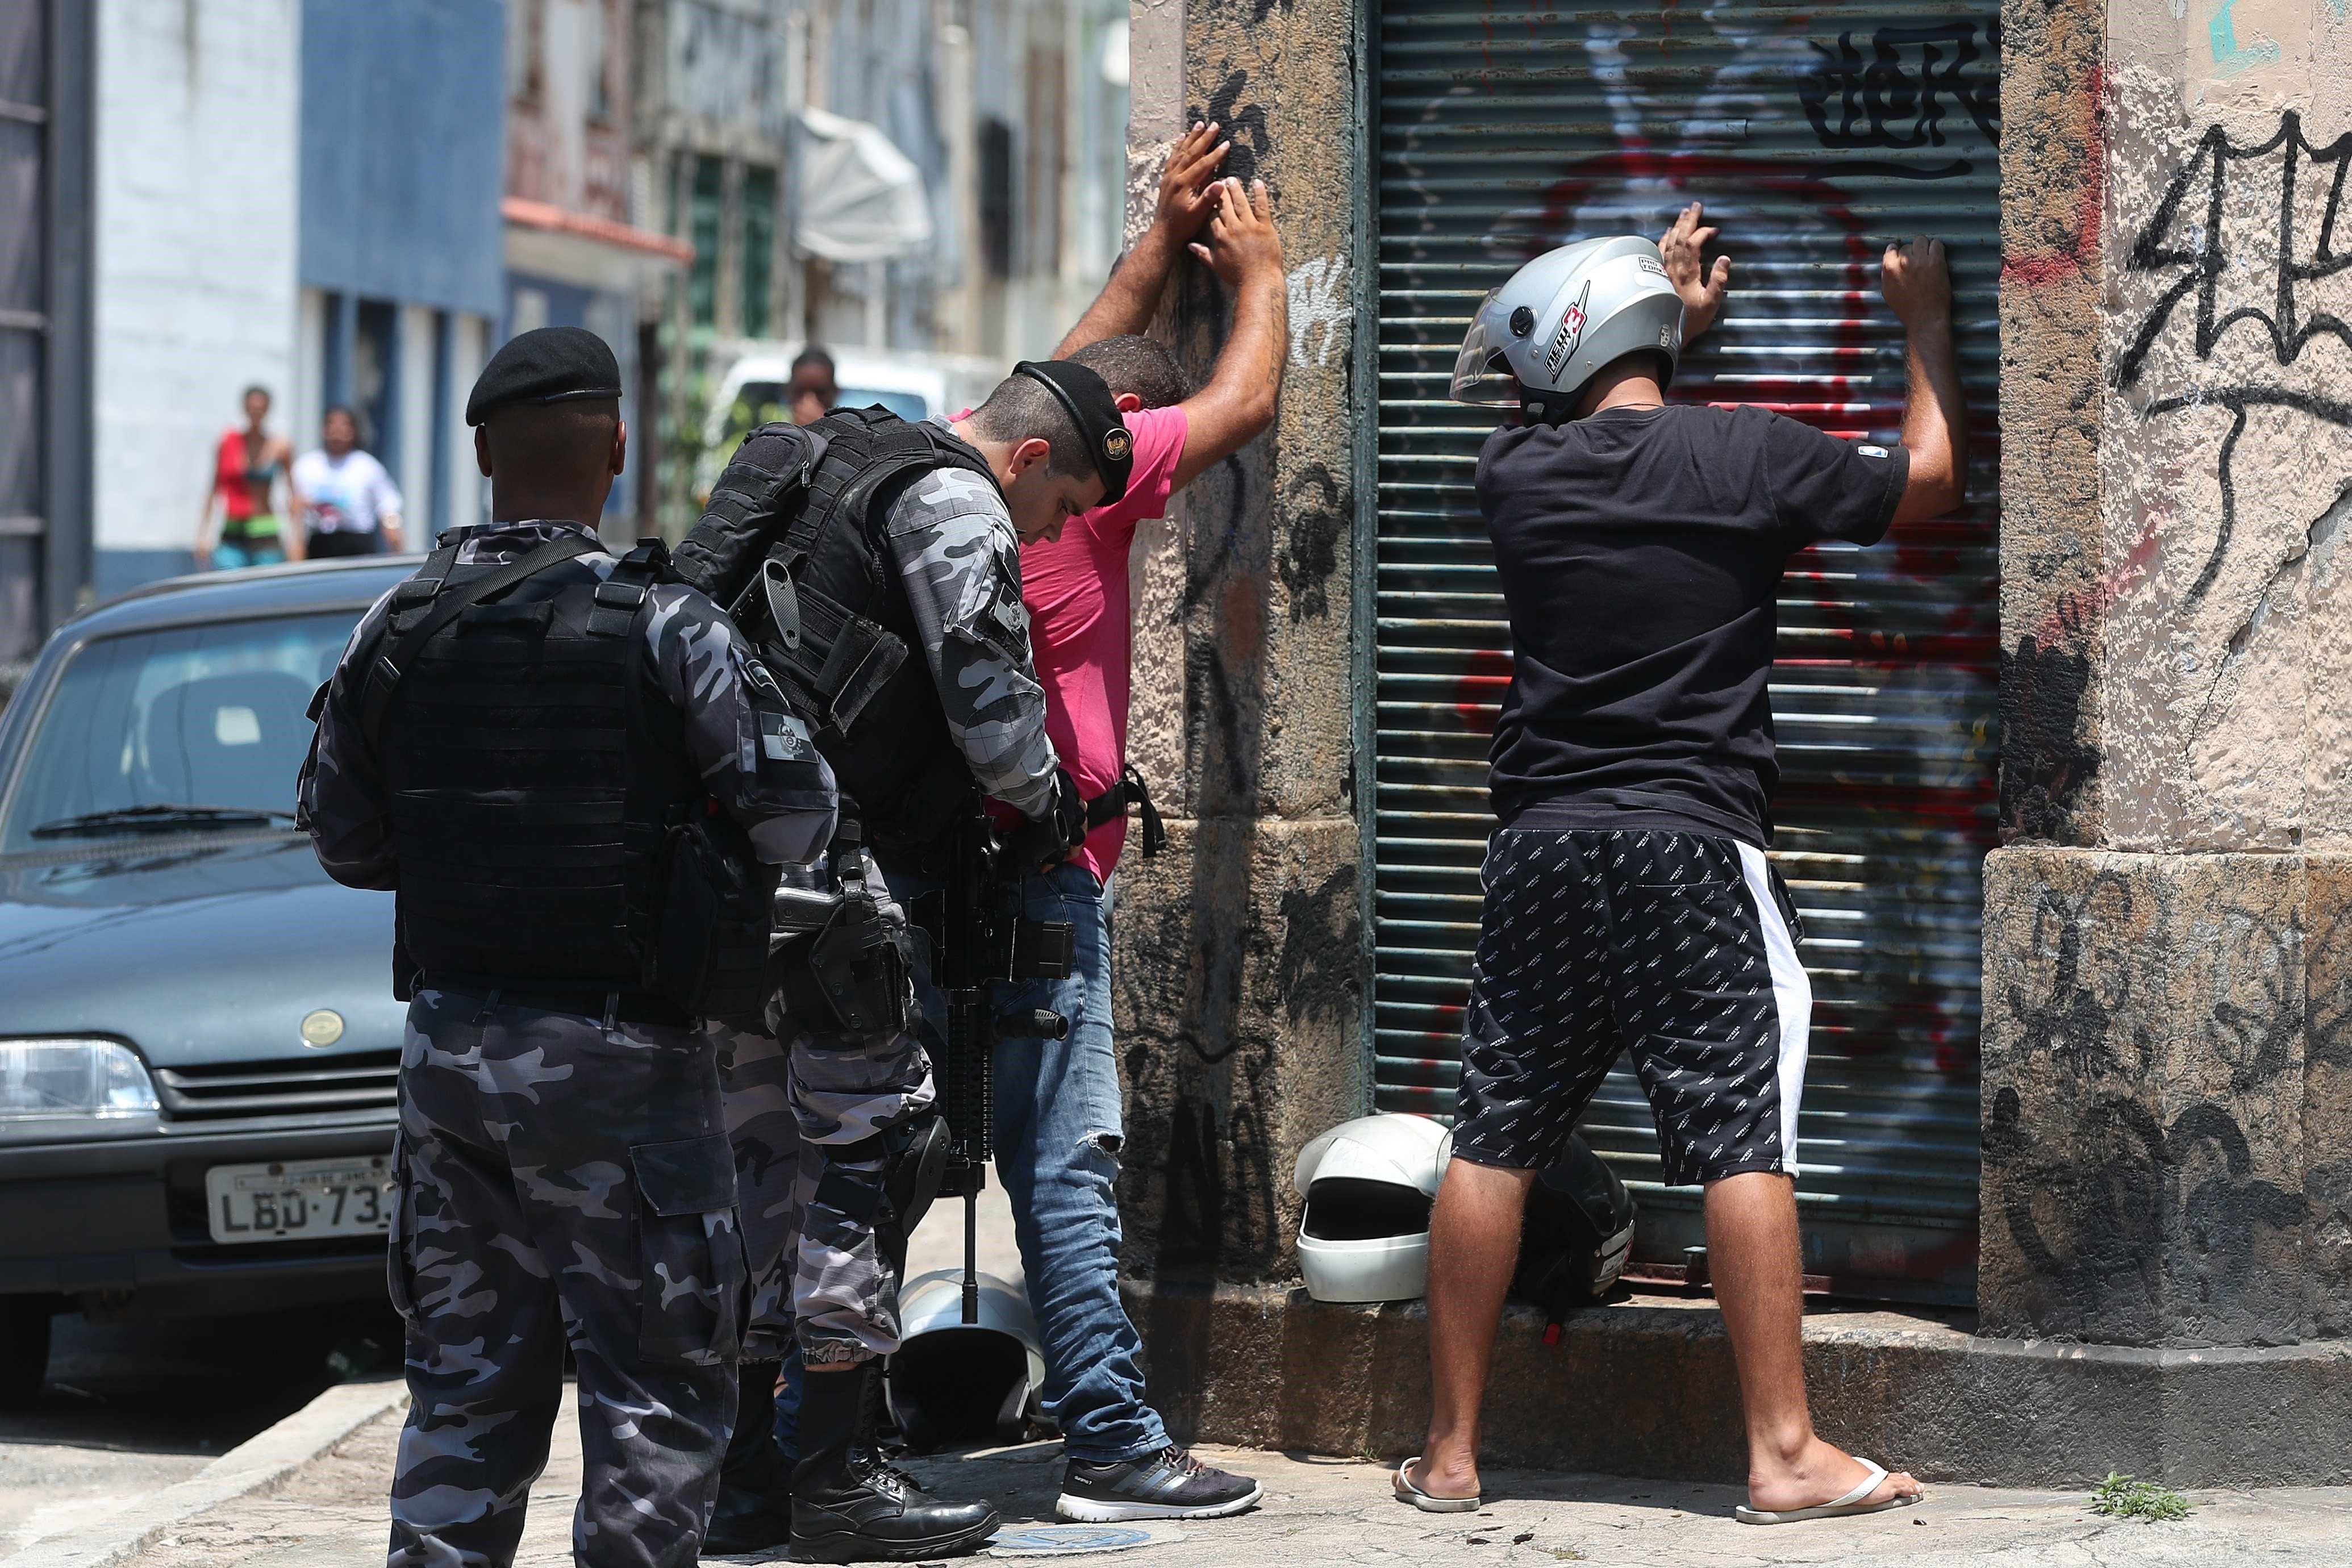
(298, 1199)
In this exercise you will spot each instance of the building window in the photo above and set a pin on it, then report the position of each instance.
(705, 209)
(759, 249)
(597, 65)
(1043, 192)
(526, 34)
(24, 322)
(997, 196)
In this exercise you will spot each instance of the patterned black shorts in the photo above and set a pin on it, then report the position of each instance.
(1679, 947)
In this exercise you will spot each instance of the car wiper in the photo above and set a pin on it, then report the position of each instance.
(157, 818)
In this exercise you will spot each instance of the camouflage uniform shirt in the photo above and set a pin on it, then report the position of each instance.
(960, 560)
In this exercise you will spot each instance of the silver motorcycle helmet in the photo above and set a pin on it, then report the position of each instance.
(1537, 340)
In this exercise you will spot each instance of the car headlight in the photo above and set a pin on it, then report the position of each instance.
(58, 1087)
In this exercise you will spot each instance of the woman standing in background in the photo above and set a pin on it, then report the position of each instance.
(246, 472)
(349, 503)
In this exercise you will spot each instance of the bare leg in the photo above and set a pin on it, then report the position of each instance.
(1473, 1243)
(1752, 1256)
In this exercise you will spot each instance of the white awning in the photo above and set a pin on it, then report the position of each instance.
(860, 198)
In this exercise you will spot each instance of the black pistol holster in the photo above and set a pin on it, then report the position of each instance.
(846, 967)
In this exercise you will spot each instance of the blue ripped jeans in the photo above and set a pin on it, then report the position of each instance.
(1058, 1131)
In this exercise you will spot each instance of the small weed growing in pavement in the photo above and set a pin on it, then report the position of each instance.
(1568, 1553)
(2120, 1497)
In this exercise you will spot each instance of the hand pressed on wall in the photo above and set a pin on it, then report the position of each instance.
(1683, 247)
(1241, 238)
(1916, 281)
(1188, 183)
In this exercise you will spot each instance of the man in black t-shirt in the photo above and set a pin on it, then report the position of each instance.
(1629, 906)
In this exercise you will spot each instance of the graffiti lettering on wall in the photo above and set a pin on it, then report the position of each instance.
(2230, 55)
(2108, 1200)
(1899, 95)
(2188, 233)
(1244, 121)
(1318, 310)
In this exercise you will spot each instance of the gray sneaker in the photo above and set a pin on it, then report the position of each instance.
(1170, 1484)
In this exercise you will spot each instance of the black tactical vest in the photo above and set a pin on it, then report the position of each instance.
(794, 543)
(533, 774)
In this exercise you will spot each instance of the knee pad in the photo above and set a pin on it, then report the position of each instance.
(914, 1162)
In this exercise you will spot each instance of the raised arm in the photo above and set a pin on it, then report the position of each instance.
(1915, 279)
(1684, 247)
(1188, 196)
(1246, 253)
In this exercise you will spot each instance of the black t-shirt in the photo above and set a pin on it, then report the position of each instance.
(1641, 552)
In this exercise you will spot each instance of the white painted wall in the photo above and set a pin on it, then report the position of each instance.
(194, 271)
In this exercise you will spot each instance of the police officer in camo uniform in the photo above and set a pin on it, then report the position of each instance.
(572, 770)
(920, 537)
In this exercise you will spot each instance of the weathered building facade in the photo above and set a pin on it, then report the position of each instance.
(2062, 785)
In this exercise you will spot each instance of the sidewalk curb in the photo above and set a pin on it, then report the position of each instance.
(259, 1464)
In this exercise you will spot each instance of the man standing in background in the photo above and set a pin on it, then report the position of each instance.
(346, 498)
(815, 388)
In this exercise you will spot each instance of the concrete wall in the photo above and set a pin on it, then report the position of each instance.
(2168, 1076)
(194, 258)
(402, 148)
(1239, 976)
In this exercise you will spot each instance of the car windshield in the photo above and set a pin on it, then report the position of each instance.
(185, 729)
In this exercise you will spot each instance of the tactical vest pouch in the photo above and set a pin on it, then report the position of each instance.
(757, 496)
(842, 659)
(713, 949)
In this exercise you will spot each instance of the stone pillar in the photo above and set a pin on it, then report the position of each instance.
(2167, 1000)
(1239, 967)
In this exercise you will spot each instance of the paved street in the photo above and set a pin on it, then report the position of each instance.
(1337, 1513)
(129, 1408)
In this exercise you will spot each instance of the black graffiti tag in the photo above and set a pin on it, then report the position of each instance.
(2187, 232)
(1899, 95)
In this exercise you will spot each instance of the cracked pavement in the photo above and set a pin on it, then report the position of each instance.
(1337, 1513)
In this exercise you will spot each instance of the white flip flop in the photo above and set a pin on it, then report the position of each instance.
(1428, 1503)
(1838, 1508)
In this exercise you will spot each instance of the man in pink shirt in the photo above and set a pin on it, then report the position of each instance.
(1058, 1124)
(1058, 1113)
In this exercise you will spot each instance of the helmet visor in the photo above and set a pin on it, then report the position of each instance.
(1481, 376)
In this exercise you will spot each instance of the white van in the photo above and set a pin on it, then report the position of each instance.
(912, 385)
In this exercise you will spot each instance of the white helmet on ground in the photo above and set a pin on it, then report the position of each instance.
(1364, 1236)
(954, 1381)
(1537, 340)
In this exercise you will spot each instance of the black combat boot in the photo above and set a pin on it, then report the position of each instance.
(754, 1510)
(848, 1506)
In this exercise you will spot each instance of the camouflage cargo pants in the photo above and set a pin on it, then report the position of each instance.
(810, 1210)
(561, 1183)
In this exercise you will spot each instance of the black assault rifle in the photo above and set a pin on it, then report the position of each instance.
(980, 939)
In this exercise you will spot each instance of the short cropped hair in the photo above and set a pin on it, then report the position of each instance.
(813, 355)
(1138, 364)
(1021, 410)
(551, 442)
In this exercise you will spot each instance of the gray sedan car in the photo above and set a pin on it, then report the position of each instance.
(198, 1041)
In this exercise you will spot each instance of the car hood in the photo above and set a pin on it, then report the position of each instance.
(197, 948)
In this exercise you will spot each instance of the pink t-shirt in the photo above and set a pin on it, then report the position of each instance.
(1082, 625)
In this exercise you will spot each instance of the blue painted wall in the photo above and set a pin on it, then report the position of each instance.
(404, 151)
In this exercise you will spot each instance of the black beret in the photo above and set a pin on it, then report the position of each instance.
(1087, 399)
(547, 365)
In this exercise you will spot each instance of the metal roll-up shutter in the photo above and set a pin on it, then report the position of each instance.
(1814, 136)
